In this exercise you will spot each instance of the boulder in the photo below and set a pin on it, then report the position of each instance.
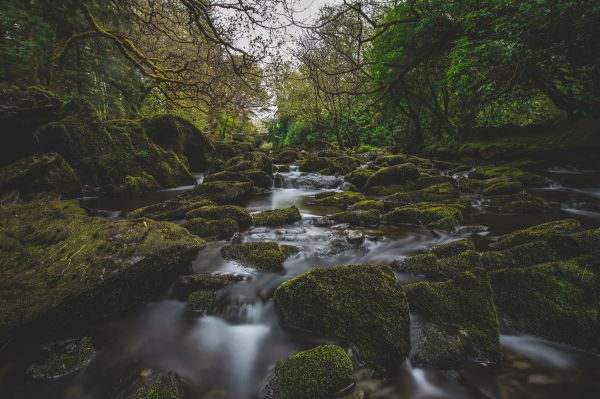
(61, 267)
(466, 303)
(358, 218)
(277, 217)
(366, 205)
(315, 373)
(38, 173)
(285, 157)
(397, 174)
(173, 209)
(224, 192)
(538, 232)
(519, 203)
(212, 229)
(452, 248)
(153, 384)
(362, 305)
(527, 179)
(220, 212)
(430, 215)
(502, 186)
(341, 199)
(62, 358)
(436, 193)
(267, 256)
(359, 177)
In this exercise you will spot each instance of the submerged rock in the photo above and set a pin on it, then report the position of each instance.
(268, 256)
(362, 305)
(62, 358)
(43, 172)
(61, 267)
(315, 373)
(277, 217)
(465, 303)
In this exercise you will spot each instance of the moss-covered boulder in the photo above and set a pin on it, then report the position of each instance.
(434, 268)
(226, 176)
(358, 218)
(528, 179)
(153, 384)
(224, 192)
(453, 248)
(556, 300)
(258, 177)
(362, 305)
(427, 181)
(173, 209)
(139, 184)
(180, 135)
(315, 373)
(277, 217)
(397, 174)
(201, 301)
(104, 154)
(390, 160)
(212, 229)
(62, 358)
(465, 302)
(366, 205)
(220, 212)
(525, 203)
(541, 231)
(268, 256)
(521, 255)
(441, 347)
(61, 267)
(359, 177)
(38, 173)
(285, 157)
(436, 193)
(22, 112)
(579, 243)
(502, 186)
(341, 199)
(435, 216)
(250, 161)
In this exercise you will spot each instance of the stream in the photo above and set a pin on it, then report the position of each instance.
(227, 354)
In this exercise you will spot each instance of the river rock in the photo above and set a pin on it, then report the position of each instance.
(362, 305)
(40, 172)
(431, 215)
(369, 218)
(315, 373)
(341, 199)
(62, 267)
(220, 212)
(397, 174)
(277, 217)
(465, 303)
(62, 358)
(435, 193)
(267, 256)
(151, 384)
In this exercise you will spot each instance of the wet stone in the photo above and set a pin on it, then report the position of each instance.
(61, 358)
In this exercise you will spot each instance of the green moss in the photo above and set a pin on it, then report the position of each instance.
(436, 193)
(201, 301)
(226, 176)
(249, 161)
(315, 373)
(358, 218)
(522, 255)
(341, 199)
(362, 305)
(139, 184)
(417, 264)
(268, 256)
(438, 347)
(541, 231)
(557, 300)
(519, 203)
(69, 267)
(321, 165)
(502, 186)
(427, 181)
(43, 172)
(397, 174)
(390, 160)
(174, 209)
(359, 177)
(277, 217)
(528, 179)
(212, 229)
(224, 192)
(465, 302)
(220, 212)
(62, 358)
(581, 243)
(430, 215)
(285, 157)
(469, 185)
(159, 385)
(367, 205)
(452, 248)
(258, 177)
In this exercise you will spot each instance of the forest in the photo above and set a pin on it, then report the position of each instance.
(300, 199)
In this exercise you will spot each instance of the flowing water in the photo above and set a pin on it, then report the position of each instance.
(227, 354)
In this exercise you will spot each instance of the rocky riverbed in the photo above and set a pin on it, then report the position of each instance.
(291, 273)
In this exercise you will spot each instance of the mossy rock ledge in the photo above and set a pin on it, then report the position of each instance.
(61, 267)
(316, 373)
(277, 217)
(361, 305)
